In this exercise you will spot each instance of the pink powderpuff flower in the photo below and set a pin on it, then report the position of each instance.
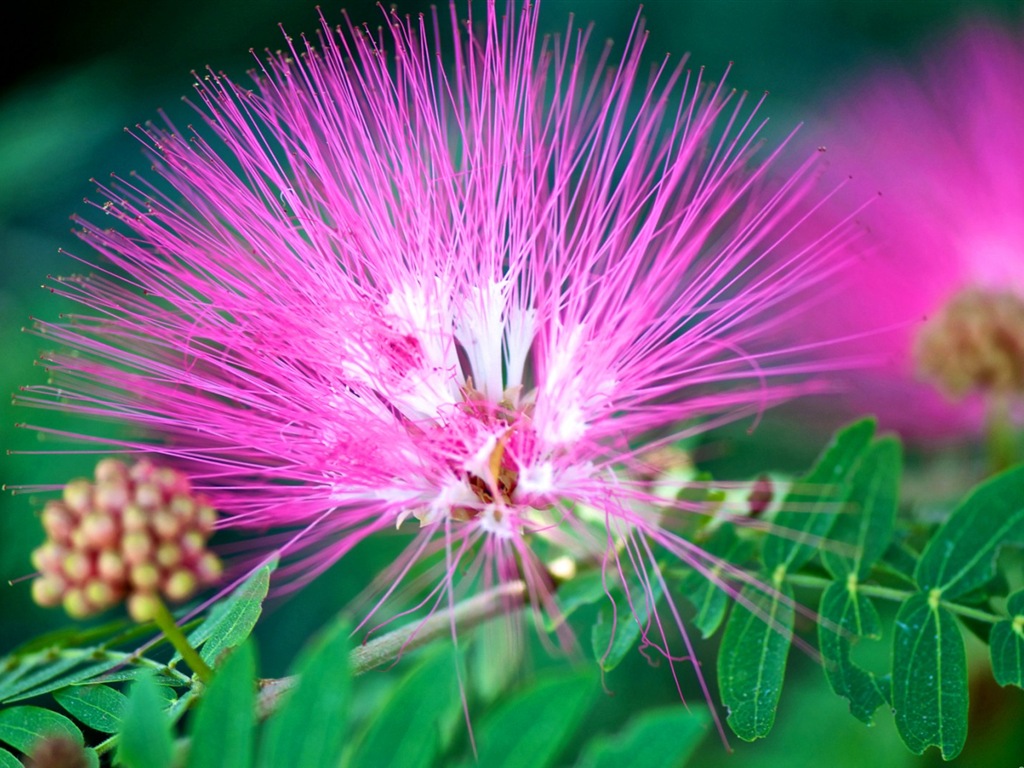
(945, 147)
(370, 291)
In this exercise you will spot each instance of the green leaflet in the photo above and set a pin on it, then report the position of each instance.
(929, 683)
(810, 509)
(708, 592)
(868, 526)
(659, 738)
(21, 727)
(145, 738)
(98, 706)
(1007, 644)
(610, 649)
(752, 659)
(231, 621)
(7, 760)
(310, 728)
(961, 556)
(405, 730)
(531, 728)
(585, 589)
(846, 614)
(225, 718)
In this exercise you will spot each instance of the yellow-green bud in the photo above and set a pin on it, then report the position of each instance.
(77, 566)
(143, 606)
(48, 590)
(180, 585)
(145, 576)
(76, 603)
(78, 496)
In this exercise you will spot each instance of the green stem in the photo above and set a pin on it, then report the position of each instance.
(897, 595)
(1000, 436)
(165, 621)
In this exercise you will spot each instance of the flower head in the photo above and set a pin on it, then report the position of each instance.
(132, 535)
(371, 291)
(945, 147)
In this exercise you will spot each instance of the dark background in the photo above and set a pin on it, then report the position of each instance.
(75, 74)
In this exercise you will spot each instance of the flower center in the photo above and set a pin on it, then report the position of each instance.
(974, 343)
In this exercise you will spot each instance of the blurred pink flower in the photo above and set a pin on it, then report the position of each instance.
(945, 147)
(372, 292)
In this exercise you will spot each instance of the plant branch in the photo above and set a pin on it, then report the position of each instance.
(379, 651)
(897, 595)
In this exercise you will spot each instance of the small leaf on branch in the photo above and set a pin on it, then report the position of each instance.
(145, 738)
(545, 716)
(810, 508)
(1007, 644)
(873, 497)
(660, 738)
(616, 632)
(98, 706)
(21, 727)
(961, 556)
(222, 729)
(847, 616)
(708, 592)
(404, 731)
(929, 677)
(310, 728)
(752, 658)
(231, 621)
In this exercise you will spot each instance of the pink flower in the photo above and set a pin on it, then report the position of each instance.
(945, 146)
(372, 291)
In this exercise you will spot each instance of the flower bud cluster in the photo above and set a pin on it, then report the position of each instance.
(133, 535)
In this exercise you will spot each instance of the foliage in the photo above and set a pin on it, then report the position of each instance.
(836, 534)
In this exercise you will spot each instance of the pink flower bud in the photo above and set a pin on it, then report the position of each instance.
(58, 522)
(111, 470)
(77, 567)
(99, 530)
(48, 590)
(78, 496)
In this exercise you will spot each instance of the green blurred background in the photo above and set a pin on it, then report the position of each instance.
(74, 76)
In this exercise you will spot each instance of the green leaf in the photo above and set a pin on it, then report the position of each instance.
(145, 738)
(7, 760)
(961, 556)
(310, 728)
(222, 728)
(1007, 644)
(752, 659)
(659, 738)
(810, 508)
(847, 616)
(35, 671)
(545, 716)
(621, 621)
(708, 591)
(868, 525)
(929, 681)
(231, 621)
(585, 589)
(98, 706)
(21, 727)
(405, 730)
